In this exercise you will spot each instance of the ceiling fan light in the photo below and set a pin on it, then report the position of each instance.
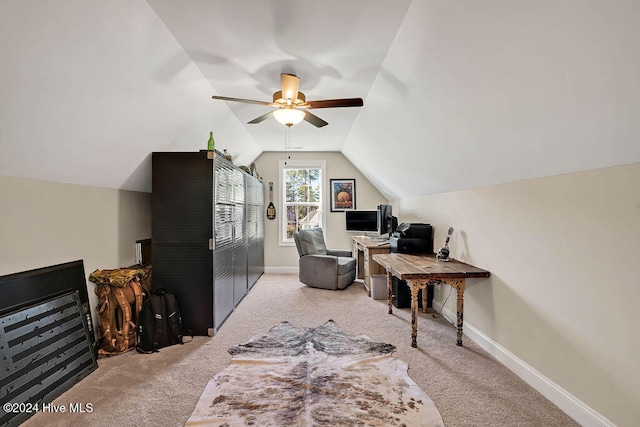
(289, 116)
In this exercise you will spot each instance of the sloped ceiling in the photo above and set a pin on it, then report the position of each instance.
(457, 94)
(474, 93)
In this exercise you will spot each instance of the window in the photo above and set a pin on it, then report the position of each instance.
(302, 197)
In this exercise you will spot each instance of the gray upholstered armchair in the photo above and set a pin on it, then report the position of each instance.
(321, 267)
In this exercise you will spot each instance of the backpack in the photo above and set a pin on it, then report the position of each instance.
(159, 323)
(118, 308)
(120, 276)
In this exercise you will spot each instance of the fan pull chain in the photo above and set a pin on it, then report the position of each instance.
(287, 143)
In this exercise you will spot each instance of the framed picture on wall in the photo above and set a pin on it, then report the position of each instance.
(343, 195)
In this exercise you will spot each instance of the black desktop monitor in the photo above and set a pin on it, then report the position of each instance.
(385, 219)
(361, 220)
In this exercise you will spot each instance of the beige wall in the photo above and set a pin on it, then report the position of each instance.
(44, 223)
(285, 258)
(564, 253)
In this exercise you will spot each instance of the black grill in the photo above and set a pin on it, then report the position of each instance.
(44, 350)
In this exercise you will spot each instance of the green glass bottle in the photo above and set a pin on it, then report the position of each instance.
(211, 143)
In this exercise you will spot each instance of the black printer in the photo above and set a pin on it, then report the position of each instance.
(412, 238)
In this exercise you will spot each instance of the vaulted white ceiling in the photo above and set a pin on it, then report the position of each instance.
(456, 94)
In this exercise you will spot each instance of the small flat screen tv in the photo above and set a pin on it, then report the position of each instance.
(361, 220)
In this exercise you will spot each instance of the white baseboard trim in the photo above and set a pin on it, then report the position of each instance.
(281, 270)
(569, 404)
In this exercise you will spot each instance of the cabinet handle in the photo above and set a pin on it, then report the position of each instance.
(212, 245)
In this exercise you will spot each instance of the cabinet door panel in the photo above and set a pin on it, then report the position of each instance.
(185, 270)
(239, 255)
(223, 276)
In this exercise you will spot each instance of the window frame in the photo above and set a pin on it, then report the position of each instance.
(299, 164)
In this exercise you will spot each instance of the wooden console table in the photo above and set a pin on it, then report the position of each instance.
(363, 250)
(421, 271)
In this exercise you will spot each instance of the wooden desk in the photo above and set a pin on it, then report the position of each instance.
(421, 271)
(363, 250)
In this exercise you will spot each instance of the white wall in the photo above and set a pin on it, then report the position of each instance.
(486, 92)
(285, 258)
(45, 223)
(564, 291)
(90, 88)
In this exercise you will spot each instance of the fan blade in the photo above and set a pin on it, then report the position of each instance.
(314, 120)
(261, 118)
(290, 86)
(246, 101)
(332, 103)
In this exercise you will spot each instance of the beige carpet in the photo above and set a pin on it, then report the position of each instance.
(468, 386)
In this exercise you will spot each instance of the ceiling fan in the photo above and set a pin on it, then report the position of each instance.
(292, 105)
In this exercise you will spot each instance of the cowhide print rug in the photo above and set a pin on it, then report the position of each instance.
(314, 377)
